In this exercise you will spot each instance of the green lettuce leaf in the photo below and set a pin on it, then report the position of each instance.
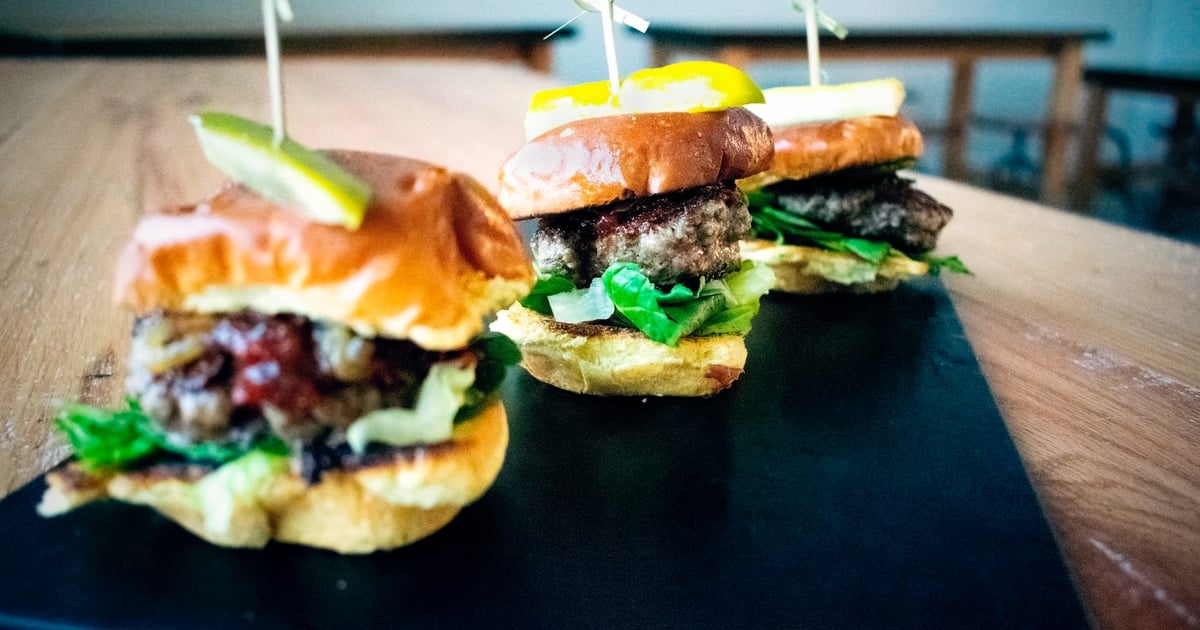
(496, 353)
(642, 303)
(743, 290)
(106, 439)
(538, 297)
(722, 306)
(770, 222)
(115, 439)
(103, 439)
(948, 263)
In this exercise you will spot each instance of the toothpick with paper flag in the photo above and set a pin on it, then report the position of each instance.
(272, 9)
(610, 14)
(275, 166)
(800, 104)
(688, 86)
(814, 17)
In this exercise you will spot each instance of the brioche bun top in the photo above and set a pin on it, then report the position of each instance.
(820, 148)
(597, 161)
(434, 254)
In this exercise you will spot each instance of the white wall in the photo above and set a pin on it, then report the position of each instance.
(1143, 31)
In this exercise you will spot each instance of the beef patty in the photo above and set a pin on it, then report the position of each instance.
(221, 377)
(880, 207)
(673, 237)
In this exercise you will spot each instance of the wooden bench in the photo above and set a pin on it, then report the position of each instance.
(962, 48)
(525, 45)
(1182, 162)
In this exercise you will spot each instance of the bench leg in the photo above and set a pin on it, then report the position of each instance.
(961, 94)
(1089, 149)
(1068, 78)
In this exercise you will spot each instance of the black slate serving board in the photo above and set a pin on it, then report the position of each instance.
(858, 475)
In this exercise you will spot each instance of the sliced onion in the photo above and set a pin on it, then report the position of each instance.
(582, 305)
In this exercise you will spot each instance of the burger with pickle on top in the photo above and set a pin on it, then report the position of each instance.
(309, 362)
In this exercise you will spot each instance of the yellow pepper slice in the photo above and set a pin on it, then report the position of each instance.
(688, 86)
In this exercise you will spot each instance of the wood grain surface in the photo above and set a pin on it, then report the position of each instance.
(1089, 334)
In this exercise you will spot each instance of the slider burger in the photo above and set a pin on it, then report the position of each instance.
(831, 214)
(324, 384)
(642, 290)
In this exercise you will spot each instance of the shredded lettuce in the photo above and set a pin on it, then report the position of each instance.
(431, 419)
(448, 394)
(722, 306)
(770, 222)
(742, 291)
(103, 439)
(646, 306)
(247, 478)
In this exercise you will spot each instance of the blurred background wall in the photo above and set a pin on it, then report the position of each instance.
(1160, 32)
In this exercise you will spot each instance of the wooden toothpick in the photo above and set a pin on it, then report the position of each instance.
(814, 17)
(610, 14)
(272, 9)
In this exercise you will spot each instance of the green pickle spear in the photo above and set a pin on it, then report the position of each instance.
(286, 173)
(800, 104)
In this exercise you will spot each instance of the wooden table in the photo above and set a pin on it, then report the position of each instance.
(962, 48)
(527, 45)
(1183, 142)
(1088, 333)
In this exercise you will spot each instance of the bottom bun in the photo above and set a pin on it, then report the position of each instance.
(381, 504)
(612, 361)
(806, 270)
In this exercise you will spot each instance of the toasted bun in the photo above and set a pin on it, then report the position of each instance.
(610, 361)
(803, 151)
(597, 161)
(434, 254)
(377, 506)
(801, 270)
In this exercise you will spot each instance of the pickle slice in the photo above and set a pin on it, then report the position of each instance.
(794, 105)
(289, 174)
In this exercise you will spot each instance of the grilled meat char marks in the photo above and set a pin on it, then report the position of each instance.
(673, 237)
(885, 208)
(303, 379)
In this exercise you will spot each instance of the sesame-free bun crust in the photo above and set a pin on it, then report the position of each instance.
(597, 161)
(382, 505)
(434, 254)
(808, 150)
(798, 268)
(610, 361)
